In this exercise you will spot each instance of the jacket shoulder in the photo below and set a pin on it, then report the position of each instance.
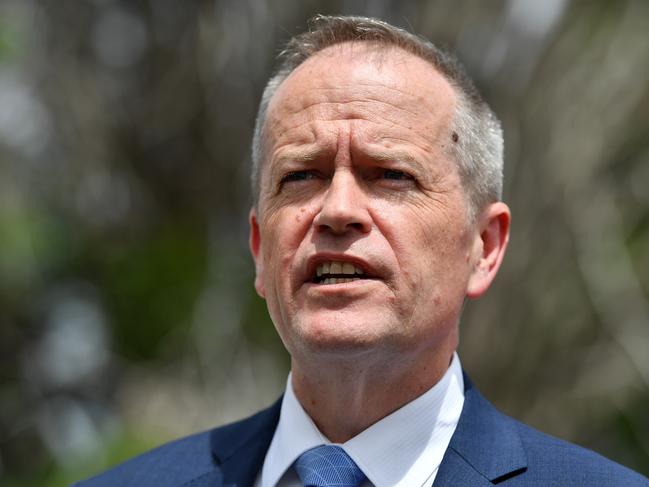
(491, 448)
(552, 461)
(195, 460)
(170, 465)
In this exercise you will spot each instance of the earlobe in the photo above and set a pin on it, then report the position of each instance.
(490, 245)
(254, 242)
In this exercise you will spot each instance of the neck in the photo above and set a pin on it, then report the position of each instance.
(345, 398)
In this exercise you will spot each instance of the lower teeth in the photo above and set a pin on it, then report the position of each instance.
(339, 280)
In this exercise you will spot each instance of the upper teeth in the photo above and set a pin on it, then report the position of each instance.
(337, 268)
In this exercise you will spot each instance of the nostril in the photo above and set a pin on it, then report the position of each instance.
(340, 227)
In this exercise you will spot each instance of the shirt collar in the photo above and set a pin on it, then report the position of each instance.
(403, 449)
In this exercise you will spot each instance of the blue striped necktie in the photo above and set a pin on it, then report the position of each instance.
(328, 466)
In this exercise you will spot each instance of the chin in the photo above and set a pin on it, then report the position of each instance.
(340, 336)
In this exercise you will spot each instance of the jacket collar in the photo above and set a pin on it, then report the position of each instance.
(485, 447)
(239, 449)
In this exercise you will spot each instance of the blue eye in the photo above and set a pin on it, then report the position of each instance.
(297, 176)
(396, 175)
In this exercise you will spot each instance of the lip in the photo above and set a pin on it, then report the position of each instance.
(369, 271)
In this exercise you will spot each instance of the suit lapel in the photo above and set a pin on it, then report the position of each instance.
(455, 471)
(239, 449)
(485, 447)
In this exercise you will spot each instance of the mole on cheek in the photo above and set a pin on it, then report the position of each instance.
(455, 137)
(299, 216)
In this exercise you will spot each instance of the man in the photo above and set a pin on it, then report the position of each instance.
(377, 179)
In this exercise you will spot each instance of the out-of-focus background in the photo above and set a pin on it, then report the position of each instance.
(127, 312)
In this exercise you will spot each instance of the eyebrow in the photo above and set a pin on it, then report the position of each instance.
(378, 155)
(393, 155)
(298, 156)
(289, 157)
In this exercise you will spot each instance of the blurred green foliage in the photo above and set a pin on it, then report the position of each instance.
(151, 285)
(114, 452)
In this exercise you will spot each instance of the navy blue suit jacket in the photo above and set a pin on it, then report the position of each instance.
(488, 448)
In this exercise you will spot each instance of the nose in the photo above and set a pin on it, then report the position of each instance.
(344, 207)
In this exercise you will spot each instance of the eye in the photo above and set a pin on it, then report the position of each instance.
(397, 175)
(297, 176)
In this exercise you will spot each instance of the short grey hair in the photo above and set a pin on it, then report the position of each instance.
(477, 132)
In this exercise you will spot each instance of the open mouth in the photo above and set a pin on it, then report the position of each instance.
(335, 272)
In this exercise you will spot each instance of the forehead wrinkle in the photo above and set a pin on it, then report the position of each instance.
(332, 84)
(343, 87)
(365, 110)
(425, 110)
(425, 143)
(325, 141)
(339, 107)
(312, 135)
(295, 106)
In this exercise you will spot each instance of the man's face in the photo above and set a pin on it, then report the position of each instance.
(361, 240)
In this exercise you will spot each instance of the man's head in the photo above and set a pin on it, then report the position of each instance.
(357, 149)
(478, 148)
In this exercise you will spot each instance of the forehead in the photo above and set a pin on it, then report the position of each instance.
(361, 80)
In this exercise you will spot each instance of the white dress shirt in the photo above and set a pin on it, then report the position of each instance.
(403, 449)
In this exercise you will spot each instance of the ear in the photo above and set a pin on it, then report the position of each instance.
(492, 235)
(255, 248)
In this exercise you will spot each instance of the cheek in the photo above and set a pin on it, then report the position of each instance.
(430, 243)
(283, 232)
(288, 224)
(416, 236)
(445, 236)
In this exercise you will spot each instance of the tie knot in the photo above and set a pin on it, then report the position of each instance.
(328, 466)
